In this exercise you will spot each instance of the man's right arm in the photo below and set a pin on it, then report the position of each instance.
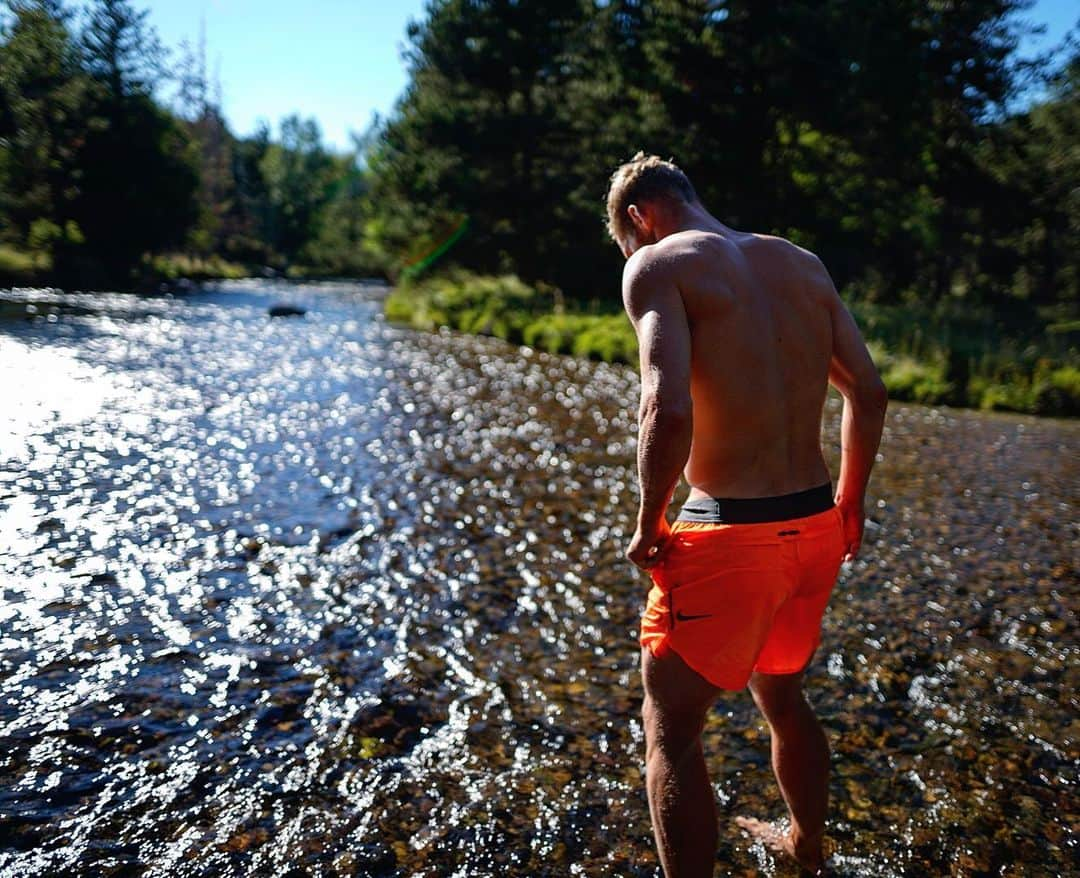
(853, 373)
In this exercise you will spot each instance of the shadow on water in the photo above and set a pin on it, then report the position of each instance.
(326, 596)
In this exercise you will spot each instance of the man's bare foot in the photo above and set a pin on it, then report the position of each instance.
(772, 836)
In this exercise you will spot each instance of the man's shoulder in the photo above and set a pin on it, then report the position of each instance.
(778, 245)
(674, 254)
(696, 243)
(646, 275)
(800, 265)
(648, 263)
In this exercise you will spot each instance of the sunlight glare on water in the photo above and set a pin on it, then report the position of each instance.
(45, 388)
(327, 596)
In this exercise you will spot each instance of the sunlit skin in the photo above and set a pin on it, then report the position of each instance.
(740, 335)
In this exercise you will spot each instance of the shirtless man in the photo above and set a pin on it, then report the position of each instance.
(740, 335)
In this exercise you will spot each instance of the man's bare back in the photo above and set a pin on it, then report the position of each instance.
(740, 336)
(760, 326)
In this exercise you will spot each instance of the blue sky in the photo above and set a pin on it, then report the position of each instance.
(336, 60)
(340, 60)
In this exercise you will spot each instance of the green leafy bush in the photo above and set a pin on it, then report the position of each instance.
(172, 266)
(1058, 393)
(555, 333)
(909, 379)
(611, 339)
(1002, 397)
(506, 307)
(500, 306)
(21, 266)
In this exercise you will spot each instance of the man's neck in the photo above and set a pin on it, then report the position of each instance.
(694, 218)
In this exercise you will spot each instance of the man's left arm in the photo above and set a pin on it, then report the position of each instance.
(655, 307)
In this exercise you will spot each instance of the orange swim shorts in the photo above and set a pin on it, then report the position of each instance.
(731, 599)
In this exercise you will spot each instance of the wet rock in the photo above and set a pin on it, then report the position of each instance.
(284, 310)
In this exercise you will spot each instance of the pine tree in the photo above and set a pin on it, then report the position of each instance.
(138, 191)
(44, 111)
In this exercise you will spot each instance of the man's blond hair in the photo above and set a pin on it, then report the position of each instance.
(643, 178)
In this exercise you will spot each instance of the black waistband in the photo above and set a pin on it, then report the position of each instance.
(751, 510)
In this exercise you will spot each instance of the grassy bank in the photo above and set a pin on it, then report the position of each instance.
(970, 357)
(174, 266)
(975, 356)
(509, 309)
(35, 268)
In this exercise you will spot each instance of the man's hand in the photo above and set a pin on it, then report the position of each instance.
(648, 545)
(853, 514)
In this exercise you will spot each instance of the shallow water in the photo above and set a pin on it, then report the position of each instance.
(327, 596)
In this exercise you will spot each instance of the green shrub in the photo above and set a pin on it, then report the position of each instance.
(461, 289)
(1065, 327)
(1058, 393)
(909, 379)
(555, 333)
(172, 266)
(501, 306)
(1005, 397)
(19, 265)
(610, 339)
(510, 309)
(43, 234)
(398, 307)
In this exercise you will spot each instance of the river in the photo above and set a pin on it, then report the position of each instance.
(325, 596)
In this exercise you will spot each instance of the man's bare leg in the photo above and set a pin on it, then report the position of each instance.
(681, 802)
(800, 759)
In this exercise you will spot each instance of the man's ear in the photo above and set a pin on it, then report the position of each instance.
(636, 218)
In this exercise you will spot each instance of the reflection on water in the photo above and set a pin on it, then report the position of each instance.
(325, 596)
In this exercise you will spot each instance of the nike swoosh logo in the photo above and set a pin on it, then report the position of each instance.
(683, 617)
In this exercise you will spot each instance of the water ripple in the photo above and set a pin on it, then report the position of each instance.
(327, 596)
